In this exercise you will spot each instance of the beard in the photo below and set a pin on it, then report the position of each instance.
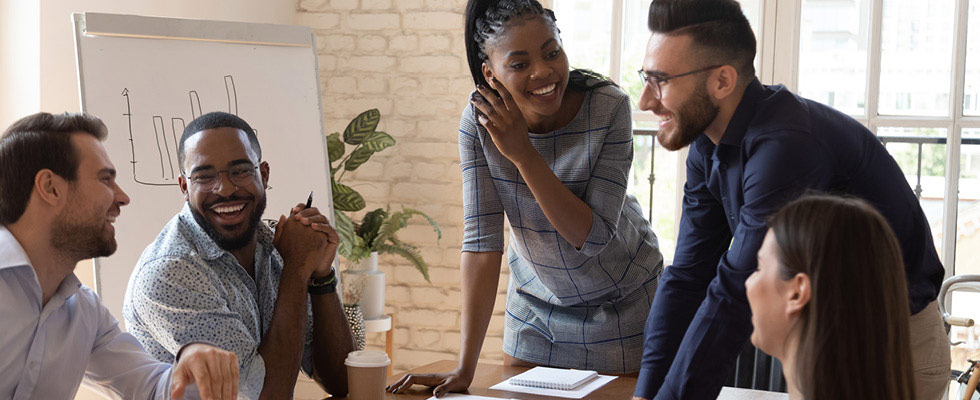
(235, 242)
(80, 239)
(693, 118)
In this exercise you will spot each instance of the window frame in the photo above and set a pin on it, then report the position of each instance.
(778, 36)
(954, 122)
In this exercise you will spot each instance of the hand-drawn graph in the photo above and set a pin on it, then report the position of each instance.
(145, 172)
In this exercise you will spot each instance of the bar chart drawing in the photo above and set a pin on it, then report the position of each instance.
(164, 168)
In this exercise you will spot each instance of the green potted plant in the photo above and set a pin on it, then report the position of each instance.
(377, 232)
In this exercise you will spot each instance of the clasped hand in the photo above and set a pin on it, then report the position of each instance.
(504, 121)
(306, 242)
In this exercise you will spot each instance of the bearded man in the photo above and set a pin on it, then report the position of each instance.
(754, 148)
(216, 273)
(58, 203)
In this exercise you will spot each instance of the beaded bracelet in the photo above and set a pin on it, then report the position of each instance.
(325, 285)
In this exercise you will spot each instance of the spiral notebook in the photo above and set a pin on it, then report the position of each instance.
(553, 378)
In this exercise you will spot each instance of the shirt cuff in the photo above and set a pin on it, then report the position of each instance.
(599, 237)
(179, 352)
(644, 385)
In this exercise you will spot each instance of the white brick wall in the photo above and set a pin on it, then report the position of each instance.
(406, 58)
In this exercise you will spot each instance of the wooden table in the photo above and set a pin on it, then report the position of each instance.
(491, 374)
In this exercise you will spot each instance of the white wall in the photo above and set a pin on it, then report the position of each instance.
(19, 60)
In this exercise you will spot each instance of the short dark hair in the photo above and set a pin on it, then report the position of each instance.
(213, 120)
(34, 143)
(717, 27)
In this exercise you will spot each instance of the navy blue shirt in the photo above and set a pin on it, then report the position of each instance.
(776, 146)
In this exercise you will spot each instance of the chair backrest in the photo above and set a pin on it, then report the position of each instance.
(757, 370)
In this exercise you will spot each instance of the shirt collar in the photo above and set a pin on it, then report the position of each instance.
(744, 114)
(12, 254)
(207, 246)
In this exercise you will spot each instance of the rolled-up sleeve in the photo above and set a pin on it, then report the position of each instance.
(180, 305)
(605, 193)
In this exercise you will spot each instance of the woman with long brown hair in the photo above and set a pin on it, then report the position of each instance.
(829, 300)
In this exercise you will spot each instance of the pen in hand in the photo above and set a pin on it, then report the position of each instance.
(309, 200)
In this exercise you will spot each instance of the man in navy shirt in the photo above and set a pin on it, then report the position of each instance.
(753, 148)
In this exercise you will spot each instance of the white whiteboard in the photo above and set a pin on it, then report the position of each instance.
(147, 77)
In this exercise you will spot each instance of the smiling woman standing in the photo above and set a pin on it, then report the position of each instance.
(551, 149)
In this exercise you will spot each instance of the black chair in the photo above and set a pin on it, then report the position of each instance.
(757, 370)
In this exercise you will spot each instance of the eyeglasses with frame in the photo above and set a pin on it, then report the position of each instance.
(654, 81)
(206, 180)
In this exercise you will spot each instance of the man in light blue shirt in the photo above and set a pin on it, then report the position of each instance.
(58, 201)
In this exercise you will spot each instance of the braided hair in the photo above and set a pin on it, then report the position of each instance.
(486, 20)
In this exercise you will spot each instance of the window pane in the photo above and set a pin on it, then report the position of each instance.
(586, 32)
(926, 174)
(967, 247)
(834, 53)
(971, 93)
(664, 189)
(635, 37)
(916, 53)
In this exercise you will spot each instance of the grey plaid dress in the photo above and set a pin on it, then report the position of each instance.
(566, 307)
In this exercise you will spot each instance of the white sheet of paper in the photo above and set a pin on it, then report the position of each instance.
(459, 396)
(579, 393)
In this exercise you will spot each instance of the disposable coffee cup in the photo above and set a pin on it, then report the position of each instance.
(367, 371)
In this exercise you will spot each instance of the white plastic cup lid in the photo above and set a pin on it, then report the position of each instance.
(367, 358)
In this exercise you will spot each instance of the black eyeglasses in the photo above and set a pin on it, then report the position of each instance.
(655, 81)
(207, 180)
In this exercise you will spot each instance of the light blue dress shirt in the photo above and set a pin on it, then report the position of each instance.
(47, 352)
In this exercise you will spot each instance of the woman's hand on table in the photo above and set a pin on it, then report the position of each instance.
(443, 382)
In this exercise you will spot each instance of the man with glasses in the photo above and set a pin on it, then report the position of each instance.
(753, 148)
(217, 274)
(58, 202)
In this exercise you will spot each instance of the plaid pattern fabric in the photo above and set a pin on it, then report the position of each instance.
(577, 308)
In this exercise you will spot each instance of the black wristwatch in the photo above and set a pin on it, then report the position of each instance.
(325, 285)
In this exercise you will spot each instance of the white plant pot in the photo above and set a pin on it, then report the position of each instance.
(373, 298)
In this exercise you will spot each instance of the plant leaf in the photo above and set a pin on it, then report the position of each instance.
(432, 222)
(335, 147)
(359, 251)
(361, 126)
(378, 141)
(358, 157)
(409, 252)
(370, 225)
(345, 230)
(398, 220)
(345, 198)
